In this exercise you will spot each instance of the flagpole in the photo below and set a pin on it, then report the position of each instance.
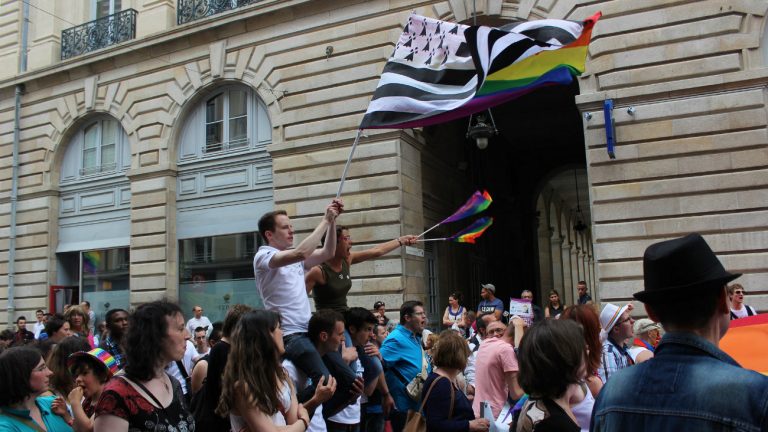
(349, 160)
(430, 240)
(422, 234)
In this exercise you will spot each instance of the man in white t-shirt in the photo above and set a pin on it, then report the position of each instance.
(40, 324)
(199, 321)
(279, 270)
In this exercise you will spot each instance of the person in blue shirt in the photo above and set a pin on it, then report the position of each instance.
(490, 304)
(23, 378)
(690, 384)
(404, 359)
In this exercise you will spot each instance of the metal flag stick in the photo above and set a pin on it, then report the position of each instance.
(349, 160)
(429, 240)
(422, 234)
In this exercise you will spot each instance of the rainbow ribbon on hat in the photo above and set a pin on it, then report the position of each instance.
(477, 203)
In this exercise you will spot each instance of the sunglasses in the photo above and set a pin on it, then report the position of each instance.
(742, 292)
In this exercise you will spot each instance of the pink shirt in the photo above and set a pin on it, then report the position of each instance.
(494, 358)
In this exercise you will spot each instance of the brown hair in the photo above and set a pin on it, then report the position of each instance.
(550, 357)
(586, 316)
(451, 351)
(733, 287)
(267, 222)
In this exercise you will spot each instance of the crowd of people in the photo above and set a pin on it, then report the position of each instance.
(283, 367)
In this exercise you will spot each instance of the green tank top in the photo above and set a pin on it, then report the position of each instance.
(333, 293)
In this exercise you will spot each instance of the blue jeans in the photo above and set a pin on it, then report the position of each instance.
(300, 351)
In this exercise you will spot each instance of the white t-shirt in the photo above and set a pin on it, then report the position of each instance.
(194, 323)
(634, 351)
(173, 369)
(300, 381)
(741, 313)
(283, 290)
(350, 414)
(37, 328)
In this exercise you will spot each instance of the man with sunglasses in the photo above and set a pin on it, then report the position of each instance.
(617, 323)
(738, 309)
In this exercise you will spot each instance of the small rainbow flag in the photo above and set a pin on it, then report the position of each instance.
(91, 261)
(472, 232)
(747, 342)
(474, 205)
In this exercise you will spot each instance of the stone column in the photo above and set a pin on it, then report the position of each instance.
(154, 263)
(557, 259)
(565, 251)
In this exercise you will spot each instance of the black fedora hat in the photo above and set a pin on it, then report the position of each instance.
(674, 268)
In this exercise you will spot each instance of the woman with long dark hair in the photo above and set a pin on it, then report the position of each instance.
(62, 382)
(146, 398)
(257, 393)
(23, 380)
(554, 307)
(455, 314)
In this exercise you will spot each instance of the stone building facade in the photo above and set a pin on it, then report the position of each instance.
(144, 163)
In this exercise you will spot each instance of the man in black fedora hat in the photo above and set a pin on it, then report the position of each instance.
(690, 384)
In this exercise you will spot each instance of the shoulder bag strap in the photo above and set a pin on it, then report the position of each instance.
(146, 390)
(182, 369)
(423, 362)
(429, 390)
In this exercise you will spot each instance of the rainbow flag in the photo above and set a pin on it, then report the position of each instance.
(441, 71)
(91, 261)
(472, 232)
(747, 342)
(477, 203)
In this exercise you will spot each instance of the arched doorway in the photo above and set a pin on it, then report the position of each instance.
(539, 134)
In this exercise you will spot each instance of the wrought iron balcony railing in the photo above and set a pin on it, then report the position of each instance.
(97, 34)
(191, 10)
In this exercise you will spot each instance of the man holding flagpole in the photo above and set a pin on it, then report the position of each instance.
(279, 269)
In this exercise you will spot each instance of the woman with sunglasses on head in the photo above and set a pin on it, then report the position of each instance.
(146, 398)
(23, 380)
(738, 309)
(257, 393)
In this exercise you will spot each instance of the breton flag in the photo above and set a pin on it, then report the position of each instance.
(441, 71)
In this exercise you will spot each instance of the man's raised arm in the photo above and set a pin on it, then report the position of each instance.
(308, 246)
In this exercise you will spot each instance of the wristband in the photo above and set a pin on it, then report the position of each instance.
(306, 425)
(399, 242)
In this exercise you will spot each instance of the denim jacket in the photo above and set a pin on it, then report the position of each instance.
(690, 385)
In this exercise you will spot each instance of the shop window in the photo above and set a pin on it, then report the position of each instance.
(105, 279)
(216, 272)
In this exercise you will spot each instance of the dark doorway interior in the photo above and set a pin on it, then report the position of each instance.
(540, 134)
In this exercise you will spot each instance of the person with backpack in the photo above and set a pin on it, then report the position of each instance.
(738, 309)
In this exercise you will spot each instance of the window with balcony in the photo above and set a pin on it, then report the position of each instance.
(231, 119)
(106, 30)
(191, 10)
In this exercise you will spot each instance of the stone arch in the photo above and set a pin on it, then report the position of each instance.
(190, 83)
(508, 11)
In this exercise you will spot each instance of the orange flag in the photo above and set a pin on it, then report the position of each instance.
(747, 342)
